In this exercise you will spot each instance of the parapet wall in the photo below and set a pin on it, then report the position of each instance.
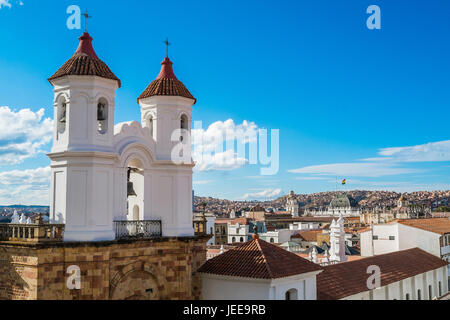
(146, 269)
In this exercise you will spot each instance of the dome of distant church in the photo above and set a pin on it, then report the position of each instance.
(340, 201)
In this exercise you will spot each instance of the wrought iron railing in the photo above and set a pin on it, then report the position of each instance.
(31, 232)
(138, 229)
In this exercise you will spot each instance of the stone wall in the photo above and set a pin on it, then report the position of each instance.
(146, 269)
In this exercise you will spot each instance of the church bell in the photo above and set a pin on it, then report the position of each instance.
(101, 112)
(130, 188)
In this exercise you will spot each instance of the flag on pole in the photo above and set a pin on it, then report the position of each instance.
(344, 181)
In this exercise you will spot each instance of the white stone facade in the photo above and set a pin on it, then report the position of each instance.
(90, 161)
(300, 287)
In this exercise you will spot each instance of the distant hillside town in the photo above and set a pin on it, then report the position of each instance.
(364, 200)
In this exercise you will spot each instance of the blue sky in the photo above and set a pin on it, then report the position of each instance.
(371, 106)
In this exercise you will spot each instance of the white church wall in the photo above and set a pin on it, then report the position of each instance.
(90, 157)
(234, 288)
(216, 287)
(406, 237)
(410, 237)
(384, 243)
(410, 286)
(120, 194)
(366, 243)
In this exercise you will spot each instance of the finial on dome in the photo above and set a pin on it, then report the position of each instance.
(85, 46)
(167, 43)
(86, 17)
(255, 235)
(166, 70)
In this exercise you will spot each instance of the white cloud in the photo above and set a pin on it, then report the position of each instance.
(355, 170)
(7, 3)
(263, 195)
(398, 186)
(224, 161)
(387, 165)
(429, 152)
(26, 187)
(202, 182)
(22, 134)
(311, 178)
(214, 148)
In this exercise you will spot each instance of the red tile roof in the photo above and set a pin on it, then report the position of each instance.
(308, 235)
(436, 225)
(241, 221)
(166, 84)
(258, 259)
(85, 62)
(302, 219)
(345, 279)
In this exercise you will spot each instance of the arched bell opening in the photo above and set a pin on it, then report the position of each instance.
(135, 190)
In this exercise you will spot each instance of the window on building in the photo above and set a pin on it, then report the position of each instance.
(151, 126)
(233, 240)
(419, 295)
(391, 237)
(407, 296)
(271, 240)
(242, 239)
(62, 108)
(291, 294)
(440, 289)
(102, 116)
(430, 292)
(183, 126)
(375, 237)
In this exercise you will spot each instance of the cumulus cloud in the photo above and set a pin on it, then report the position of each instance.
(27, 187)
(22, 134)
(263, 195)
(222, 145)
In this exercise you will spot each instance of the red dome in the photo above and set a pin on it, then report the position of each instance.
(166, 84)
(85, 62)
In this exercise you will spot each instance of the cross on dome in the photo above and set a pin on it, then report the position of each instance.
(167, 43)
(86, 17)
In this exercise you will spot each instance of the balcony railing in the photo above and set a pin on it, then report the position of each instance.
(31, 232)
(139, 229)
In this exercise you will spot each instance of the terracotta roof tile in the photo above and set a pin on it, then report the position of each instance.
(258, 259)
(345, 279)
(85, 63)
(166, 84)
(436, 225)
(308, 235)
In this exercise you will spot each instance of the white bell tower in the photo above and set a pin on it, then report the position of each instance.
(292, 204)
(83, 156)
(337, 240)
(166, 109)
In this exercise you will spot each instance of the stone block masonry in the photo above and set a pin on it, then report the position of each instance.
(163, 268)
